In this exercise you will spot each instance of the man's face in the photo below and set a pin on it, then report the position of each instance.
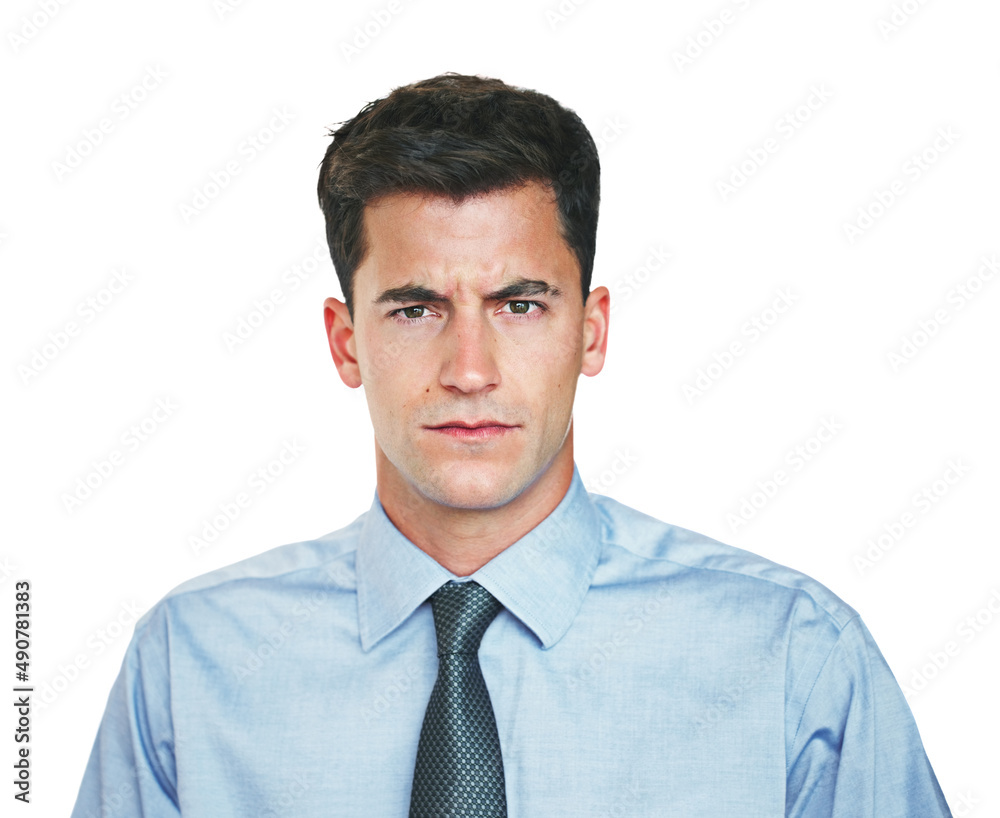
(469, 334)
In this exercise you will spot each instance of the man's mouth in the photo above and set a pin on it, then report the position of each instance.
(485, 429)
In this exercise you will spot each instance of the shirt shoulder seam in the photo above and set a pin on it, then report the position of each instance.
(179, 591)
(834, 619)
(812, 688)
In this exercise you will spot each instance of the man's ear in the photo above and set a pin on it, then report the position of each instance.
(340, 334)
(596, 317)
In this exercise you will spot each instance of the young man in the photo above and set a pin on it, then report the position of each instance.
(489, 639)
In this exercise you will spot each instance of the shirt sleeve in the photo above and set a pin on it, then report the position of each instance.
(131, 769)
(856, 752)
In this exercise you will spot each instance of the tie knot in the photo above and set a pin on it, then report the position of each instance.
(462, 613)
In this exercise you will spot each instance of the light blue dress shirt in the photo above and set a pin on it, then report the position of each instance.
(639, 669)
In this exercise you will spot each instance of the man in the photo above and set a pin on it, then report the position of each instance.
(489, 639)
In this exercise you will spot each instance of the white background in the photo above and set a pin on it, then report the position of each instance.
(670, 131)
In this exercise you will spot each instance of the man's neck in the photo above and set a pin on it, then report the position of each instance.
(463, 540)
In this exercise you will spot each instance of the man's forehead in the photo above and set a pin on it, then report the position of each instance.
(406, 220)
(424, 247)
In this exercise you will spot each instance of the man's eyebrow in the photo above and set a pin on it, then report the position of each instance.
(524, 287)
(521, 288)
(409, 292)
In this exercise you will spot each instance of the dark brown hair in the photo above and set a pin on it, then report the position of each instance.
(458, 136)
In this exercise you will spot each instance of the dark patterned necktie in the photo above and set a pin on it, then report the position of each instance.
(459, 770)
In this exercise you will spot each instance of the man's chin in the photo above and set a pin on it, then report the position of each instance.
(472, 489)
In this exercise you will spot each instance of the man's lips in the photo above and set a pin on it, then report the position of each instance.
(469, 424)
(472, 430)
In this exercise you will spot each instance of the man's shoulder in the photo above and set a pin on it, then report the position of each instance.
(704, 562)
(329, 557)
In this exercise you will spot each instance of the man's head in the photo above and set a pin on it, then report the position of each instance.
(459, 250)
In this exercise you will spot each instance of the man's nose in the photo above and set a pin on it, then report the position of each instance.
(470, 352)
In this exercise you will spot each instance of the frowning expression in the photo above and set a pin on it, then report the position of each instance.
(469, 334)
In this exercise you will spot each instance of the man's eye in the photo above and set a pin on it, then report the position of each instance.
(410, 314)
(523, 307)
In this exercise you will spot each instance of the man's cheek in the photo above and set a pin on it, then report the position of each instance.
(385, 359)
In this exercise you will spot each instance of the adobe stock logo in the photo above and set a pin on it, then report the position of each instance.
(559, 14)
(922, 501)
(786, 126)
(753, 329)
(247, 151)
(97, 643)
(901, 14)
(913, 168)
(57, 341)
(104, 468)
(624, 460)
(225, 7)
(796, 458)
(32, 26)
(705, 37)
(264, 308)
(378, 20)
(967, 631)
(955, 300)
(229, 511)
(629, 284)
(121, 108)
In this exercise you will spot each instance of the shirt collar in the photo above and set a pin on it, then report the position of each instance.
(541, 579)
